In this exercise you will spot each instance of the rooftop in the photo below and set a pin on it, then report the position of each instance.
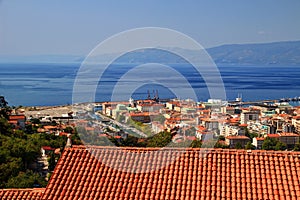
(24, 194)
(289, 134)
(237, 137)
(273, 135)
(174, 173)
(260, 138)
(17, 117)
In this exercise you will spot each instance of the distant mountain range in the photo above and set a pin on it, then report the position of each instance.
(277, 53)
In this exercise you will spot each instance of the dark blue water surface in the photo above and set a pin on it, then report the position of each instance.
(52, 84)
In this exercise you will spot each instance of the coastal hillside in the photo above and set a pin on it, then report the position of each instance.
(277, 53)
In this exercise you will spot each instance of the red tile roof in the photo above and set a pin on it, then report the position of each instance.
(169, 173)
(237, 137)
(17, 117)
(289, 134)
(48, 148)
(273, 135)
(24, 194)
(260, 138)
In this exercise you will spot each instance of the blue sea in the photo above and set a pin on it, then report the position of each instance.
(34, 84)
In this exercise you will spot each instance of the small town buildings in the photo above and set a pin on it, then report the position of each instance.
(210, 124)
(149, 107)
(249, 115)
(46, 150)
(157, 127)
(17, 121)
(143, 117)
(258, 142)
(290, 139)
(234, 141)
(228, 129)
(296, 123)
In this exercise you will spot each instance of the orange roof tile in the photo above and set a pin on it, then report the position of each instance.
(289, 134)
(273, 135)
(30, 194)
(50, 127)
(237, 137)
(48, 148)
(296, 117)
(135, 114)
(260, 138)
(173, 173)
(17, 117)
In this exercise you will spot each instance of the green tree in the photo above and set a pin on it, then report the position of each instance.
(250, 134)
(26, 179)
(5, 128)
(196, 144)
(69, 129)
(160, 139)
(130, 141)
(221, 145)
(273, 144)
(35, 121)
(238, 146)
(222, 138)
(297, 147)
(10, 168)
(51, 162)
(18, 150)
(249, 145)
(280, 146)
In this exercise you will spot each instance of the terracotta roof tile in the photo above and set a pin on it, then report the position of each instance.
(17, 117)
(174, 173)
(30, 194)
(237, 137)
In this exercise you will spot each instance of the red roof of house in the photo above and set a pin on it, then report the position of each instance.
(289, 134)
(50, 127)
(243, 125)
(260, 138)
(191, 138)
(153, 173)
(237, 137)
(48, 148)
(63, 134)
(273, 135)
(201, 128)
(135, 114)
(17, 117)
(234, 120)
(296, 117)
(24, 194)
(13, 122)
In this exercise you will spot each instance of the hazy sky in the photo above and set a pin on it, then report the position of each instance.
(35, 27)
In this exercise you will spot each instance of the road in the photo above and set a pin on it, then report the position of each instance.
(124, 127)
